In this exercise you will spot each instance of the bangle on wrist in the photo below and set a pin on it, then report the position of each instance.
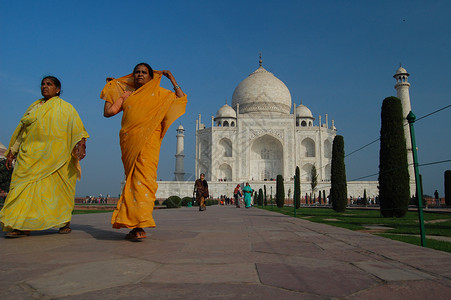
(176, 87)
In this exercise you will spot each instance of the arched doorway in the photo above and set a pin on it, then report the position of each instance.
(266, 158)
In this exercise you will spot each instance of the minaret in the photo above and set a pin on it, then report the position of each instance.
(180, 155)
(402, 92)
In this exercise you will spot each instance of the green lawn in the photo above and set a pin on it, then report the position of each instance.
(401, 229)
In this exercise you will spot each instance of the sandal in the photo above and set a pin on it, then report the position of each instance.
(16, 233)
(66, 229)
(136, 233)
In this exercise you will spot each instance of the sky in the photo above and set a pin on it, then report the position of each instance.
(337, 57)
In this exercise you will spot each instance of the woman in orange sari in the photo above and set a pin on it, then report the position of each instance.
(148, 111)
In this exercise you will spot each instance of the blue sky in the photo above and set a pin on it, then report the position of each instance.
(337, 56)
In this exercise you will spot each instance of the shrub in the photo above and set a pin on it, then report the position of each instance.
(209, 202)
(186, 200)
(339, 188)
(297, 194)
(280, 191)
(260, 197)
(173, 202)
(394, 189)
(448, 187)
(5, 176)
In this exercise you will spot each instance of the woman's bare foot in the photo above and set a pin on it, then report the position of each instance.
(65, 229)
(136, 233)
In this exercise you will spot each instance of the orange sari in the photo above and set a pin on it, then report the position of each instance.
(147, 114)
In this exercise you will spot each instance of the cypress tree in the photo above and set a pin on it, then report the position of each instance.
(394, 189)
(298, 188)
(280, 191)
(5, 176)
(265, 200)
(314, 182)
(324, 197)
(260, 197)
(365, 200)
(339, 188)
(448, 187)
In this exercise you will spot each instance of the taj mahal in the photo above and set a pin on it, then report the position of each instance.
(263, 134)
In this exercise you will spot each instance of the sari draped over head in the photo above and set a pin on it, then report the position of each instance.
(247, 190)
(43, 182)
(147, 114)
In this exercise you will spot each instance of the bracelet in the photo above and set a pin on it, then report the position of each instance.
(176, 87)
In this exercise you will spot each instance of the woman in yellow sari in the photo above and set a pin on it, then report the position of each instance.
(148, 111)
(47, 144)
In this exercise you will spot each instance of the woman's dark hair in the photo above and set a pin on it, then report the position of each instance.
(55, 81)
(145, 65)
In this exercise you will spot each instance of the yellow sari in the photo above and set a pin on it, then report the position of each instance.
(147, 114)
(42, 186)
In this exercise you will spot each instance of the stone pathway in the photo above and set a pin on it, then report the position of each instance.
(222, 253)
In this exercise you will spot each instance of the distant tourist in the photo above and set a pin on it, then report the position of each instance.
(201, 190)
(247, 195)
(47, 145)
(149, 110)
(437, 198)
(237, 195)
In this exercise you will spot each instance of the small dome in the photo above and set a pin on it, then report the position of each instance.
(401, 71)
(226, 111)
(180, 127)
(261, 92)
(303, 112)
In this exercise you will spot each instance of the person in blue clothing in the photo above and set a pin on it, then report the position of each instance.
(247, 195)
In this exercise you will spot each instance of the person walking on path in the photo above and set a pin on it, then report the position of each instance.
(148, 111)
(437, 198)
(201, 190)
(237, 195)
(247, 190)
(48, 144)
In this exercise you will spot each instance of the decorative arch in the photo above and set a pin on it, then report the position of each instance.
(327, 149)
(225, 124)
(327, 171)
(232, 124)
(204, 158)
(225, 147)
(308, 148)
(225, 172)
(303, 124)
(266, 158)
(307, 172)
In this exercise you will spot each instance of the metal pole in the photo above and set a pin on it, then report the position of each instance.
(294, 196)
(411, 119)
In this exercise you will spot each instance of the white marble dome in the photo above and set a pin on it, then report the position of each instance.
(302, 111)
(262, 92)
(401, 71)
(226, 111)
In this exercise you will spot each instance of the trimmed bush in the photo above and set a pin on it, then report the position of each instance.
(394, 189)
(280, 191)
(260, 197)
(5, 176)
(297, 195)
(339, 188)
(209, 202)
(186, 200)
(173, 202)
(448, 187)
